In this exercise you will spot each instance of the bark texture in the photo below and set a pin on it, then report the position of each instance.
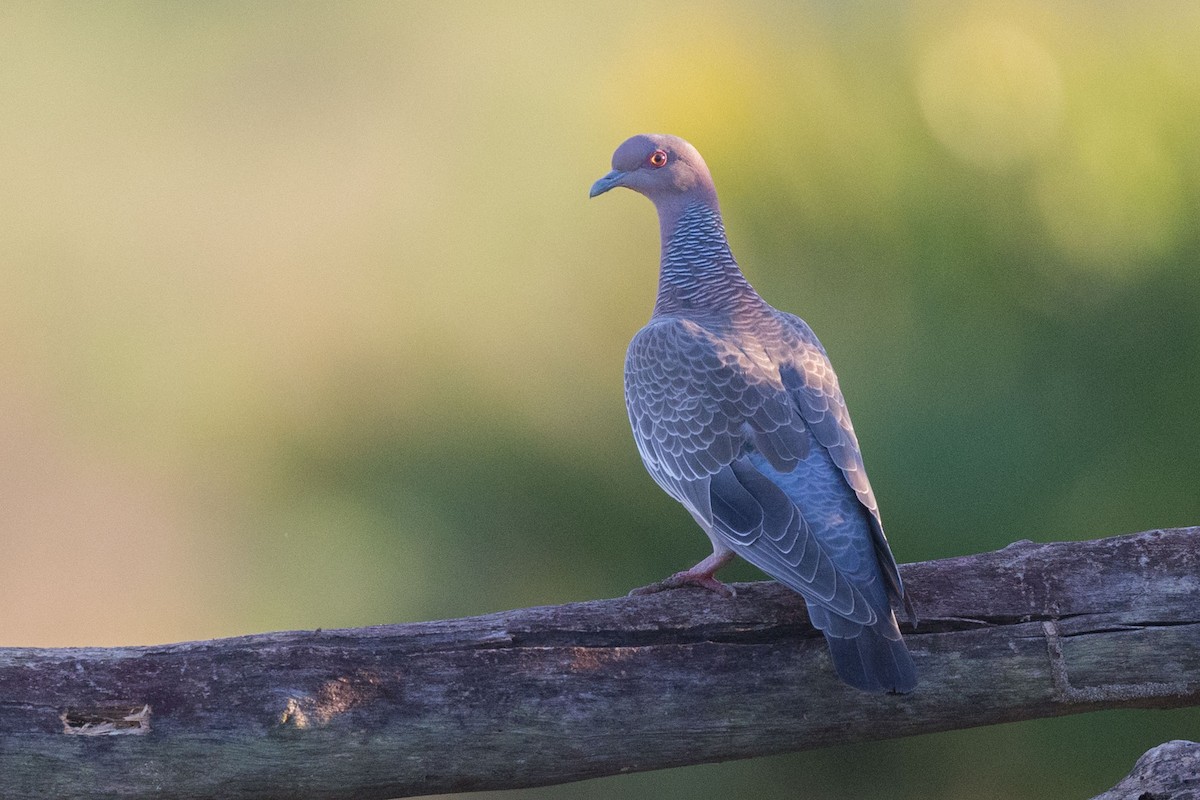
(555, 694)
(1170, 771)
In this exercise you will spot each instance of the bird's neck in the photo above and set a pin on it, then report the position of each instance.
(697, 271)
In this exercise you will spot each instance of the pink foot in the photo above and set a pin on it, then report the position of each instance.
(688, 578)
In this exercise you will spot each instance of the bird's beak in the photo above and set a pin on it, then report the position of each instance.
(610, 180)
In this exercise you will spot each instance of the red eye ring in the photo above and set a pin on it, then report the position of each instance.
(657, 159)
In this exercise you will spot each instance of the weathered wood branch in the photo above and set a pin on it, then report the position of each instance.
(1170, 771)
(549, 695)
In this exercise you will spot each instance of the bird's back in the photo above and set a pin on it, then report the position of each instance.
(720, 400)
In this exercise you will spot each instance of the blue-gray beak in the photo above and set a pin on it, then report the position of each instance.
(607, 182)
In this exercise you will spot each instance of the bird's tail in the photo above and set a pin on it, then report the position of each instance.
(874, 661)
(874, 658)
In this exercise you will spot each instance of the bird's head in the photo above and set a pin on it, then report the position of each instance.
(664, 168)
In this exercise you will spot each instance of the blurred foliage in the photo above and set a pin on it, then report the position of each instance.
(305, 319)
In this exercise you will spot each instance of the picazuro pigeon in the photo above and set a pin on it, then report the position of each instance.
(737, 414)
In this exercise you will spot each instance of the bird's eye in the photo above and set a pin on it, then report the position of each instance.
(657, 159)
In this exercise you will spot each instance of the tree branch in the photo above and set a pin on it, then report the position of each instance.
(549, 695)
(1170, 771)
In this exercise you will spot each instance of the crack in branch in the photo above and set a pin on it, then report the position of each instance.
(1111, 692)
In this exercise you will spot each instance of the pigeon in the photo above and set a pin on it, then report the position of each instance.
(737, 415)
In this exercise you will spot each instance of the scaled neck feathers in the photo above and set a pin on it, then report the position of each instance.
(698, 271)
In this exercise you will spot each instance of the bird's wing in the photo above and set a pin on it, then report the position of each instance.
(703, 414)
(810, 380)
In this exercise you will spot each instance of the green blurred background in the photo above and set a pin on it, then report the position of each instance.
(306, 320)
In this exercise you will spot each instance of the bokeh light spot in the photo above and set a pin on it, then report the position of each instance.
(1113, 199)
(991, 94)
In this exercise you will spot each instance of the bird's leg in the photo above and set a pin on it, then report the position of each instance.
(700, 575)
